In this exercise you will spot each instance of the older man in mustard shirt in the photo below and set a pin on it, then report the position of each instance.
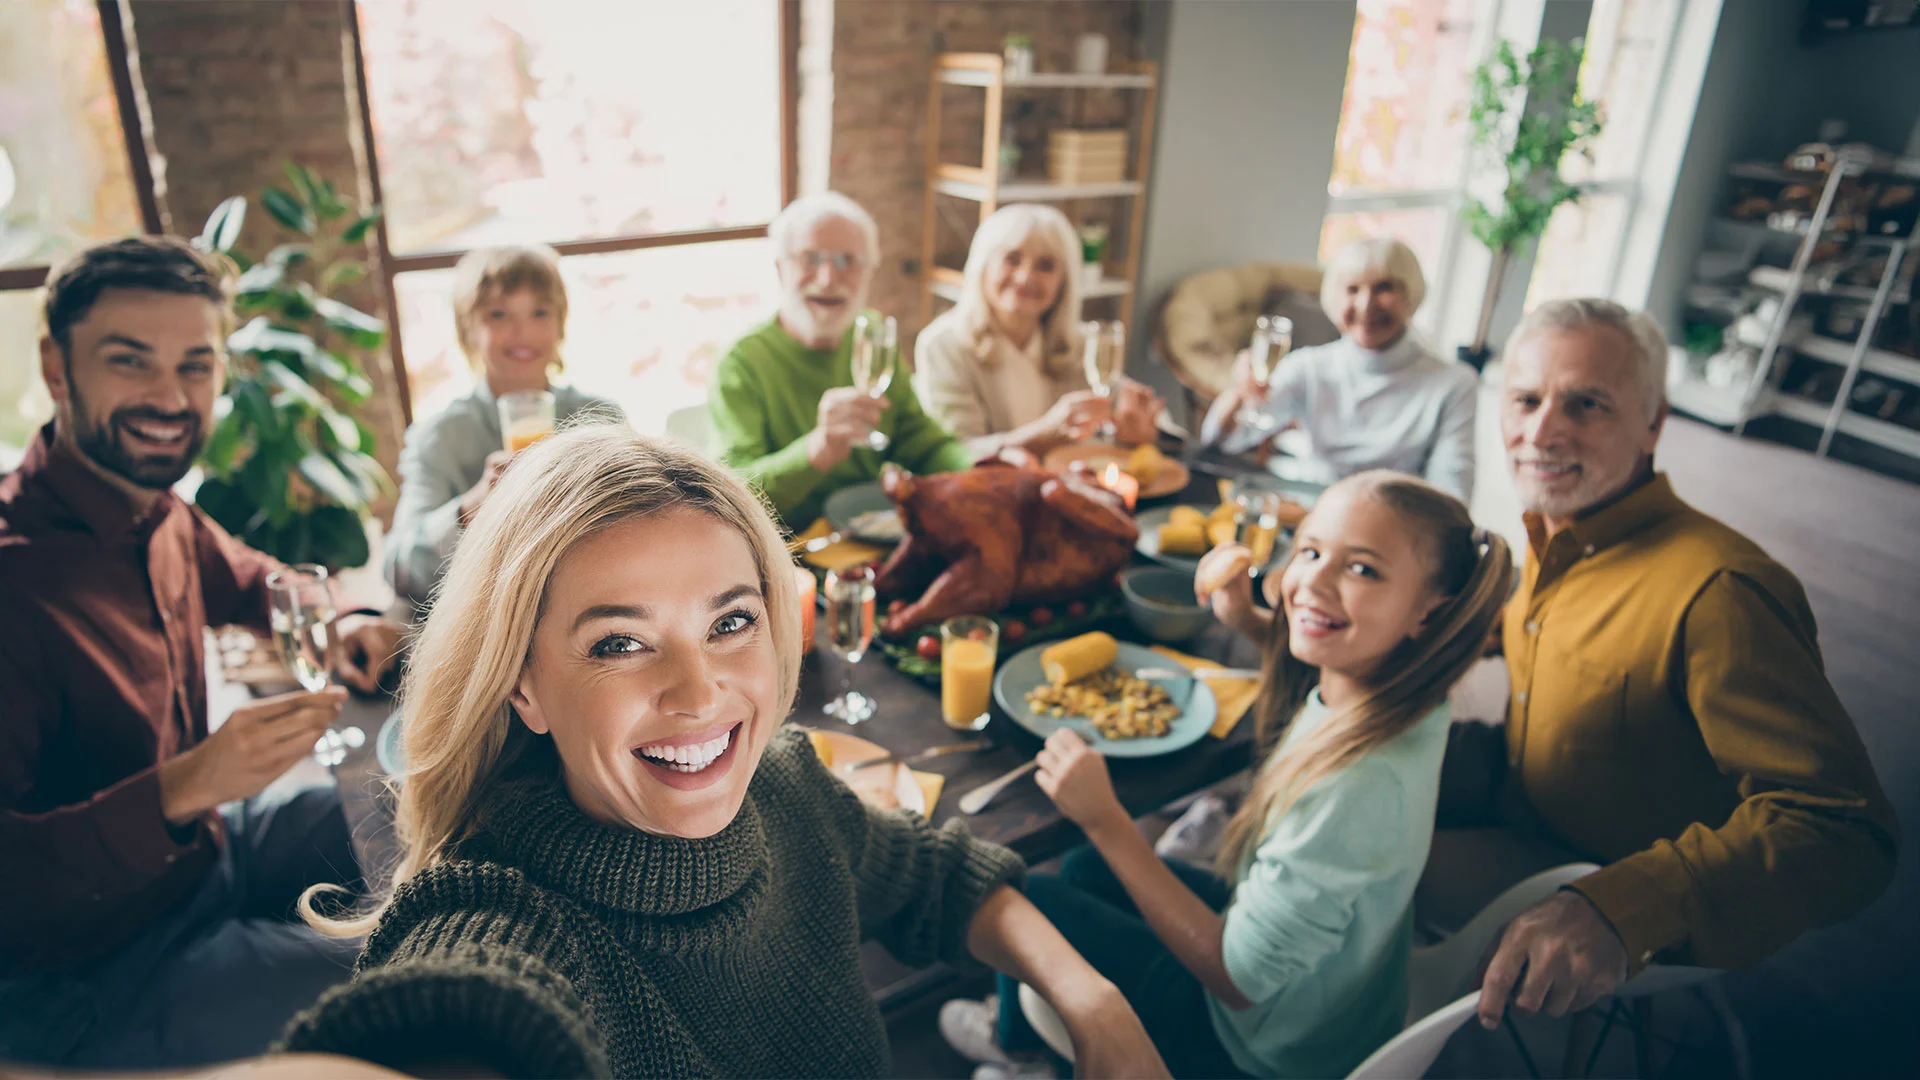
(1670, 715)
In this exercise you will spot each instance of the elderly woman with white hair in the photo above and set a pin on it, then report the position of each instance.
(783, 407)
(616, 858)
(1003, 368)
(1376, 398)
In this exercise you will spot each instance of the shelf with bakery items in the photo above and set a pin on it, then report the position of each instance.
(1824, 339)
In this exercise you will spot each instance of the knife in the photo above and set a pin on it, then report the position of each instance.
(938, 751)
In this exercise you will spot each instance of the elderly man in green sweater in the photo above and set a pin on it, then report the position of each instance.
(784, 410)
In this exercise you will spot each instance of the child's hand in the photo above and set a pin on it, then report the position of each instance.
(1075, 778)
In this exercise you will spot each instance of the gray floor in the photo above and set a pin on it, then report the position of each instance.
(1842, 1001)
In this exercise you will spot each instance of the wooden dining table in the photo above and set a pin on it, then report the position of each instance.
(906, 721)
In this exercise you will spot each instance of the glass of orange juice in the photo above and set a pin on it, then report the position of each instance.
(967, 647)
(526, 417)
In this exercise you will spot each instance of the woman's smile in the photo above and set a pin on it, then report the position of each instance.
(694, 760)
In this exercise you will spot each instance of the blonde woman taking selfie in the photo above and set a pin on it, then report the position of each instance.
(615, 860)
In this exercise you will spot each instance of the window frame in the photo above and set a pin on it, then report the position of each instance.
(391, 265)
(1450, 198)
(113, 36)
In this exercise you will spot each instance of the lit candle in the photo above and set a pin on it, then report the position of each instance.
(1121, 484)
(803, 577)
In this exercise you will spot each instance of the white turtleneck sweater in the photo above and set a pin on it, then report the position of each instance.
(1401, 408)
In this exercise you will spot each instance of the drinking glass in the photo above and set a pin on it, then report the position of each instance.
(526, 417)
(968, 644)
(1256, 520)
(849, 595)
(1272, 340)
(876, 353)
(1105, 355)
(300, 613)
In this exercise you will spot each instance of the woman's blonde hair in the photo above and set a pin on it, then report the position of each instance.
(1380, 258)
(486, 274)
(1469, 566)
(461, 737)
(1006, 229)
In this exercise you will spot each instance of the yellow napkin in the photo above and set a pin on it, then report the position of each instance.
(930, 783)
(1233, 696)
(835, 556)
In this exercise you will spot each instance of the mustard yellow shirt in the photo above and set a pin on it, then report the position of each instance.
(1672, 719)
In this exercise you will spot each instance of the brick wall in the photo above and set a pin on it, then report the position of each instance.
(882, 57)
(236, 88)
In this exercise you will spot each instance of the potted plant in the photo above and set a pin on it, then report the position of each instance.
(1017, 52)
(288, 469)
(1527, 114)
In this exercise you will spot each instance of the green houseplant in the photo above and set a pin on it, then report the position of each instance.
(289, 470)
(1527, 114)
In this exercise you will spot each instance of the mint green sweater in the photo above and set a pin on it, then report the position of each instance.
(765, 399)
(1320, 925)
(553, 945)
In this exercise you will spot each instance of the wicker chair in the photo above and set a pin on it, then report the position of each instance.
(1208, 317)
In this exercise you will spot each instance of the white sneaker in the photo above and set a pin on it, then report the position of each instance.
(1194, 837)
(969, 1027)
(1036, 1069)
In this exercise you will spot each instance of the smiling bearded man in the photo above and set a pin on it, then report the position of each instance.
(785, 413)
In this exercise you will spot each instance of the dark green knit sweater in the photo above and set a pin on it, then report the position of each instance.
(558, 946)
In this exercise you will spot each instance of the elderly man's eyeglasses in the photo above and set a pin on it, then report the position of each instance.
(841, 261)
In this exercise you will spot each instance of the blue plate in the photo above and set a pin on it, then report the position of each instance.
(1022, 673)
(387, 747)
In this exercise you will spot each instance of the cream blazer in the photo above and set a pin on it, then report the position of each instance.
(975, 396)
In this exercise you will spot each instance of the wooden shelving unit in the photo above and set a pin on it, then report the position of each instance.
(983, 185)
(1795, 285)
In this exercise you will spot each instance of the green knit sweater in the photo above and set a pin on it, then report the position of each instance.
(765, 399)
(558, 946)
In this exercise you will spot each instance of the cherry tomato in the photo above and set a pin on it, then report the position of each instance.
(1040, 617)
(928, 647)
(1014, 631)
(978, 633)
(1076, 610)
(896, 607)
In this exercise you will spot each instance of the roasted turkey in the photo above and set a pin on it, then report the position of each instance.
(1005, 531)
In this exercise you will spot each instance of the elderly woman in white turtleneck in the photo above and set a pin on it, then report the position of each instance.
(1375, 399)
(1003, 367)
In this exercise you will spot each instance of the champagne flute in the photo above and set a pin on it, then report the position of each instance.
(876, 353)
(1272, 341)
(300, 612)
(1104, 352)
(849, 595)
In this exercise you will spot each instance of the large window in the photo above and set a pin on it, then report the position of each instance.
(1628, 47)
(64, 179)
(643, 141)
(1400, 154)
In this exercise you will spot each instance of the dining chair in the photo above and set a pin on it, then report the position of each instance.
(1407, 1055)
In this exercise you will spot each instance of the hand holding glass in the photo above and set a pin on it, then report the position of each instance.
(876, 353)
(300, 611)
(849, 594)
(1272, 340)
